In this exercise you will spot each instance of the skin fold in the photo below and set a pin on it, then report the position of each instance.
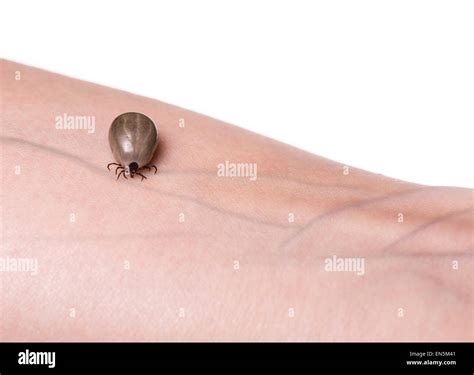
(192, 255)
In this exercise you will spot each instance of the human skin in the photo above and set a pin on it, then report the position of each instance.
(187, 255)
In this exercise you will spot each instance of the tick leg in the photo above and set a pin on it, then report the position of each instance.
(153, 166)
(122, 171)
(108, 165)
(138, 173)
(118, 169)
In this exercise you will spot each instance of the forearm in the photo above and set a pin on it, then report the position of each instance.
(192, 254)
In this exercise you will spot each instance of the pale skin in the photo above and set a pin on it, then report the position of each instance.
(188, 255)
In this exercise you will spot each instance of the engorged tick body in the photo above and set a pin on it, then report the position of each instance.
(133, 140)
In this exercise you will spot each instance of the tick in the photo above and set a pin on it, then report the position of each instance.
(133, 139)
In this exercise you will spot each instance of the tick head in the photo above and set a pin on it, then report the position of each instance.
(133, 168)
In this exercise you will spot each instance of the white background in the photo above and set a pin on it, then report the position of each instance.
(387, 86)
